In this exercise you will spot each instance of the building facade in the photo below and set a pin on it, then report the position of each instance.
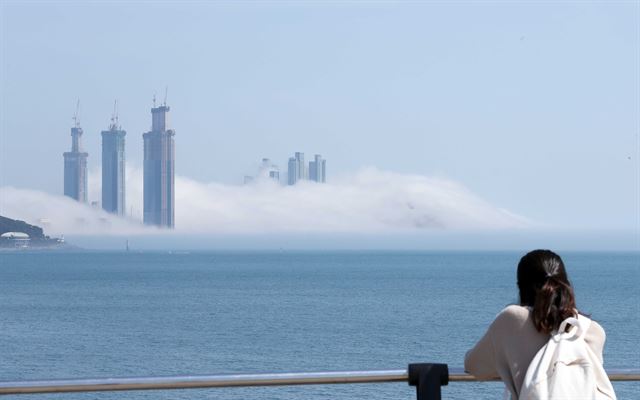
(113, 170)
(296, 169)
(159, 167)
(292, 171)
(269, 170)
(318, 169)
(75, 167)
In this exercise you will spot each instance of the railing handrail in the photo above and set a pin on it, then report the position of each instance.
(238, 380)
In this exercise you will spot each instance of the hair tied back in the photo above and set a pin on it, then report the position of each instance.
(544, 286)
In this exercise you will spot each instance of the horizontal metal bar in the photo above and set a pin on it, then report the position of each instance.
(213, 381)
(615, 374)
(201, 381)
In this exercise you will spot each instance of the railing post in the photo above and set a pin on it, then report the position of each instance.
(428, 378)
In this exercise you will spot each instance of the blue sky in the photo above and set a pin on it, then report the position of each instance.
(531, 106)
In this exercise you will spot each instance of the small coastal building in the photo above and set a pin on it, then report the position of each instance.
(18, 240)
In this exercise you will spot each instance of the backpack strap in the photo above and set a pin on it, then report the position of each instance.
(579, 327)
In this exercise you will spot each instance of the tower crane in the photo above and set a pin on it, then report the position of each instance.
(76, 115)
(114, 115)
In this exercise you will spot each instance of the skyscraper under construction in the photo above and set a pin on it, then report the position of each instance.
(75, 164)
(159, 156)
(113, 167)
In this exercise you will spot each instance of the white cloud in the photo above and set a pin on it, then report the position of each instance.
(367, 201)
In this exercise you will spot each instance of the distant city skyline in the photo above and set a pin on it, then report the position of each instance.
(532, 106)
(159, 169)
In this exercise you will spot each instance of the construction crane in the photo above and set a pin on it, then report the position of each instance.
(114, 115)
(76, 115)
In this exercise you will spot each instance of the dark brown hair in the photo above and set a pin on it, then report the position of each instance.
(544, 286)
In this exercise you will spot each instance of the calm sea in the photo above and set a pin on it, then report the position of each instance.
(67, 315)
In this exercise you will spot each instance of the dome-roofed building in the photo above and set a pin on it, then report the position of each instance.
(16, 234)
(18, 240)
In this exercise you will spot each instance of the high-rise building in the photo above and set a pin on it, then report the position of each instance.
(302, 168)
(296, 169)
(159, 166)
(269, 170)
(266, 170)
(317, 169)
(75, 165)
(113, 166)
(292, 171)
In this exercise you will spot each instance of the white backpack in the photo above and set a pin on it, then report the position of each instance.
(566, 368)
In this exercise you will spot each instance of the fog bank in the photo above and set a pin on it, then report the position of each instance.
(369, 201)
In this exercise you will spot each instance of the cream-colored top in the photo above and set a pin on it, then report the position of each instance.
(509, 345)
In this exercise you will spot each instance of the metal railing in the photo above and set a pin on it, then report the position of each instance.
(237, 380)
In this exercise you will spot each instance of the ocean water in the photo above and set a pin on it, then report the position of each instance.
(87, 314)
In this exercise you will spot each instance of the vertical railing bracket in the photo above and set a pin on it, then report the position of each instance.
(428, 379)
